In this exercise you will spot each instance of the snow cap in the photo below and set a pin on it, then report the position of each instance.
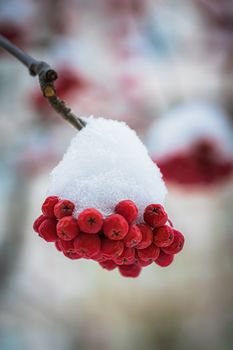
(105, 163)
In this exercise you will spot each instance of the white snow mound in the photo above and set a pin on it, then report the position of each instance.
(104, 164)
(188, 123)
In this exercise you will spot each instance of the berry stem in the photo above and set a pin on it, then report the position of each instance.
(47, 76)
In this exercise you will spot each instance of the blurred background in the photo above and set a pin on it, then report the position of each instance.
(166, 68)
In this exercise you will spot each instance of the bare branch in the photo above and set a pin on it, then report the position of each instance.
(47, 76)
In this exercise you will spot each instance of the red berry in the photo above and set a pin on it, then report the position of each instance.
(37, 222)
(99, 257)
(142, 263)
(163, 236)
(155, 215)
(111, 249)
(170, 223)
(164, 259)
(66, 246)
(128, 209)
(133, 237)
(126, 258)
(63, 208)
(72, 255)
(48, 206)
(130, 270)
(90, 220)
(108, 265)
(67, 228)
(87, 245)
(147, 236)
(149, 254)
(47, 230)
(177, 244)
(58, 246)
(115, 227)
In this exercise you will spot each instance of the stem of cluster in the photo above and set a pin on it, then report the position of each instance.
(47, 76)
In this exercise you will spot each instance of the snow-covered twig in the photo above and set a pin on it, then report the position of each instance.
(47, 76)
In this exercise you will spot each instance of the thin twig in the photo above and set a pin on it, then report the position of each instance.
(47, 76)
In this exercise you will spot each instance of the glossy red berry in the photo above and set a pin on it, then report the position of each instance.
(130, 270)
(65, 246)
(163, 236)
(37, 222)
(67, 228)
(155, 215)
(142, 263)
(99, 258)
(170, 222)
(48, 206)
(128, 209)
(177, 244)
(164, 259)
(58, 246)
(111, 249)
(147, 236)
(72, 255)
(90, 221)
(149, 254)
(47, 230)
(133, 237)
(126, 258)
(115, 227)
(87, 245)
(63, 208)
(108, 265)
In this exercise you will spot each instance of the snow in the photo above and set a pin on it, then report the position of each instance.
(105, 163)
(188, 123)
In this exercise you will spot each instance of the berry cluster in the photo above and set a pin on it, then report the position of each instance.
(199, 165)
(114, 241)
